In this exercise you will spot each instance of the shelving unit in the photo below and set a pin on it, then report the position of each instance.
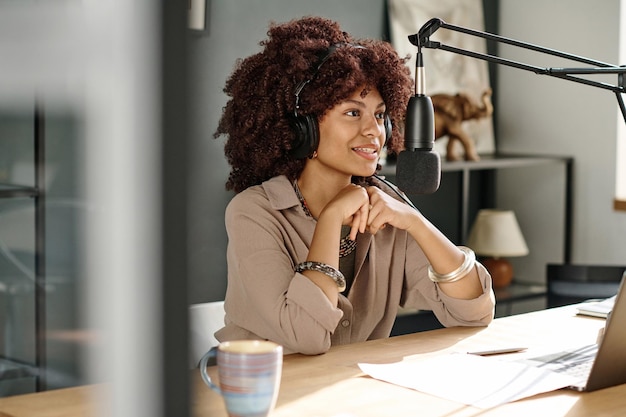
(12, 369)
(489, 165)
(11, 191)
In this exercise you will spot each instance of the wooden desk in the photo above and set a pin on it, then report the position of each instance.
(332, 385)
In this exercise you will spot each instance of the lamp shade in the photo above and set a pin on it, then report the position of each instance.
(496, 233)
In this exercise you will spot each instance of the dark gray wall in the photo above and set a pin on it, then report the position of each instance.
(234, 31)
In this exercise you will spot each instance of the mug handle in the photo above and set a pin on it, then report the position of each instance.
(203, 373)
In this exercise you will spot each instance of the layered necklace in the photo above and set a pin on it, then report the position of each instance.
(346, 245)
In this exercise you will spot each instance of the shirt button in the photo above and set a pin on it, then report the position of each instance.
(345, 323)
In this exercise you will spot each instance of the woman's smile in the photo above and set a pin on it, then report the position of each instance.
(369, 152)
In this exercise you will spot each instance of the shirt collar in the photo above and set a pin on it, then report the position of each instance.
(280, 193)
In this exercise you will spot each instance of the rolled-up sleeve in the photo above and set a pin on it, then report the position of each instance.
(475, 312)
(264, 295)
(422, 293)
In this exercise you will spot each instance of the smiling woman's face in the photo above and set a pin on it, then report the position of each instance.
(352, 134)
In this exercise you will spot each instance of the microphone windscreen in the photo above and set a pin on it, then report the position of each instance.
(418, 171)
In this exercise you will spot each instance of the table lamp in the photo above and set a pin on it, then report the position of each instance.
(495, 235)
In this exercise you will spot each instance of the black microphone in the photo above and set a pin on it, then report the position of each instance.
(418, 168)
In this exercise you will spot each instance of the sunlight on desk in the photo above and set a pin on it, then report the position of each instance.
(367, 395)
(373, 398)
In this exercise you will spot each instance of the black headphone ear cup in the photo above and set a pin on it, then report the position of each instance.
(307, 136)
(387, 129)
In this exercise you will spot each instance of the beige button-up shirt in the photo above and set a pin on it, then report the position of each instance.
(269, 234)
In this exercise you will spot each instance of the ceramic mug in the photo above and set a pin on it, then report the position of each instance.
(249, 374)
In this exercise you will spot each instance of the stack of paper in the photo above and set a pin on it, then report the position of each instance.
(470, 379)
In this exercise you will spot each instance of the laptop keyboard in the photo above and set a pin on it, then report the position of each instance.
(580, 371)
(575, 363)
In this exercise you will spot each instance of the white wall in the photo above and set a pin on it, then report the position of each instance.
(543, 115)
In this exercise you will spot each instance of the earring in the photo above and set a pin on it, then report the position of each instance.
(314, 155)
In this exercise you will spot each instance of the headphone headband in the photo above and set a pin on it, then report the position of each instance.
(331, 49)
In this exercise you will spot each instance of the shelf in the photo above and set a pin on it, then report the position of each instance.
(10, 191)
(13, 370)
(497, 161)
(491, 161)
(520, 291)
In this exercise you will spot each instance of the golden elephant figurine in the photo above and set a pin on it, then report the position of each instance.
(450, 112)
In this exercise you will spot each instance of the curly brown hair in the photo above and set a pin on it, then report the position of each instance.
(262, 90)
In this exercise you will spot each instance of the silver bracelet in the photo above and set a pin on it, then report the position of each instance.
(325, 269)
(457, 274)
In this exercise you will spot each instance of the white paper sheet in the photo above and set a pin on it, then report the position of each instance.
(483, 382)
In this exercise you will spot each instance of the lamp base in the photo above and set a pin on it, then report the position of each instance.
(501, 271)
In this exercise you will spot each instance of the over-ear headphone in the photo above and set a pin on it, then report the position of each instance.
(305, 126)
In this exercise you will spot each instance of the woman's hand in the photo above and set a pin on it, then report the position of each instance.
(351, 205)
(384, 210)
(368, 209)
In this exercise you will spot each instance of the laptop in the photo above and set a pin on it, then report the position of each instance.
(600, 365)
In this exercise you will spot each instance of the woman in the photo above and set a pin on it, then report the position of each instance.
(321, 250)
